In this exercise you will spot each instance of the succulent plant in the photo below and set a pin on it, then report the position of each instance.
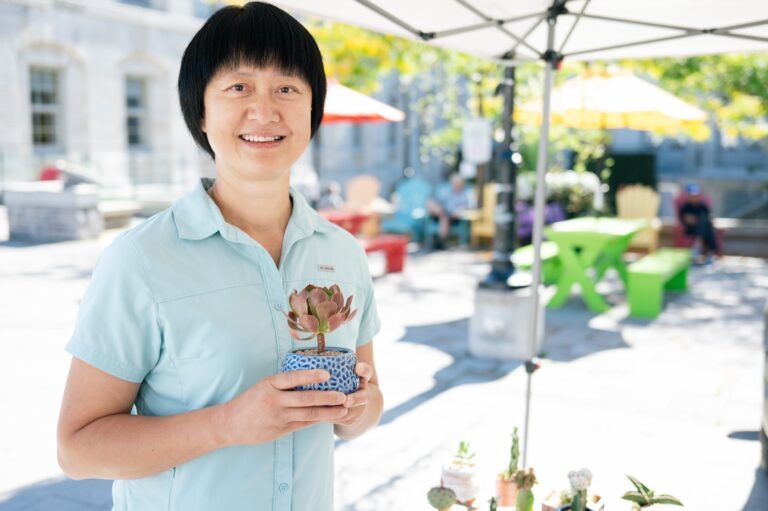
(317, 311)
(463, 455)
(525, 481)
(580, 481)
(441, 498)
(645, 497)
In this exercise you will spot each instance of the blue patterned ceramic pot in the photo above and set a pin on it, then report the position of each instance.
(340, 366)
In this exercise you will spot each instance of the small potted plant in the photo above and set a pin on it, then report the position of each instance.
(644, 497)
(525, 481)
(317, 311)
(506, 484)
(460, 475)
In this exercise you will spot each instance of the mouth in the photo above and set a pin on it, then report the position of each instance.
(262, 140)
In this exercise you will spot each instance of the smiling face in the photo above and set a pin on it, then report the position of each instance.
(257, 120)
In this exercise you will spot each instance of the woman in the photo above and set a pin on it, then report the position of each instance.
(174, 388)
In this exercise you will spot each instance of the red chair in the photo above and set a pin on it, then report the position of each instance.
(681, 239)
(393, 246)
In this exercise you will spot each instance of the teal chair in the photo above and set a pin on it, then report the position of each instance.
(410, 217)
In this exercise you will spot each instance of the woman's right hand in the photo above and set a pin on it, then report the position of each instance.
(271, 408)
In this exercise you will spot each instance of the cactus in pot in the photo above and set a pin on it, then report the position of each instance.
(506, 484)
(318, 311)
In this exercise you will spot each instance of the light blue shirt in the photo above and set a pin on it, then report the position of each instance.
(192, 308)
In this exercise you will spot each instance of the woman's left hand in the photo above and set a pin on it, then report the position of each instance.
(358, 400)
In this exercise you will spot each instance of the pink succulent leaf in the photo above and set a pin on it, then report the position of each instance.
(348, 305)
(338, 299)
(325, 310)
(334, 289)
(295, 326)
(298, 304)
(316, 296)
(292, 316)
(351, 316)
(309, 323)
(335, 321)
(296, 336)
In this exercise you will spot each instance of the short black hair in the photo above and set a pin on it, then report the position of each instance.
(257, 34)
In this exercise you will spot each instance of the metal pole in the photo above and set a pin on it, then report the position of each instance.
(502, 267)
(551, 60)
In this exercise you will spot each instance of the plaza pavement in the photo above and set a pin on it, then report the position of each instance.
(674, 401)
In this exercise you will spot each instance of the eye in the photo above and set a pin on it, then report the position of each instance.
(238, 87)
(287, 89)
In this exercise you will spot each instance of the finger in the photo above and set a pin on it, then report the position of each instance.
(292, 379)
(315, 413)
(364, 371)
(359, 398)
(308, 398)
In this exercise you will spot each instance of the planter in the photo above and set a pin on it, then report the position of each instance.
(552, 503)
(339, 362)
(506, 491)
(462, 480)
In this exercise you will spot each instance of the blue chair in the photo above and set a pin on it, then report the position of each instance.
(410, 217)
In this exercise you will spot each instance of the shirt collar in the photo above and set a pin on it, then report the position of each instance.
(198, 217)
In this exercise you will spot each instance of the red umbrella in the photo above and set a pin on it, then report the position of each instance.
(343, 104)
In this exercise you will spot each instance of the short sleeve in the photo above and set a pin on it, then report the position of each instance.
(370, 324)
(117, 329)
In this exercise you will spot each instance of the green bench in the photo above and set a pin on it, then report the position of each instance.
(664, 269)
(550, 263)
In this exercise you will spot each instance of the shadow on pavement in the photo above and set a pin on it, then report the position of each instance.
(758, 497)
(450, 338)
(61, 494)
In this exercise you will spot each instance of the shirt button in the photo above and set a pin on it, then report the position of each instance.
(278, 306)
(283, 488)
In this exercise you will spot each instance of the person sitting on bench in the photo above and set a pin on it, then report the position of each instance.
(694, 215)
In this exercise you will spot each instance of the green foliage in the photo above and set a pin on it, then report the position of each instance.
(644, 496)
(524, 500)
(731, 87)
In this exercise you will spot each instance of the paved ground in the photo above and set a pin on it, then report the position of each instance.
(675, 401)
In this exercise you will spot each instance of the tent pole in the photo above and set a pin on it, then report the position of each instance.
(551, 60)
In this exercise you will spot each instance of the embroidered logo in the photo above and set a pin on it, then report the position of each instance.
(326, 267)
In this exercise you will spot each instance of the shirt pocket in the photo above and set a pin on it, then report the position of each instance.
(220, 342)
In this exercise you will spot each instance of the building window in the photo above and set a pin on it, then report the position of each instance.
(136, 112)
(46, 109)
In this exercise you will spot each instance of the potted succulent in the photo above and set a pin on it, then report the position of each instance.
(525, 481)
(577, 499)
(317, 311)
(459, 475)
(506, 484)
(644, 497)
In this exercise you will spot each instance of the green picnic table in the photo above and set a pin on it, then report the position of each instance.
(587, 248)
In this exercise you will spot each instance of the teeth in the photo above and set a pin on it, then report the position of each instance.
(254, 138)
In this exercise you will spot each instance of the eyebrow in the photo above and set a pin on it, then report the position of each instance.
(246, 73)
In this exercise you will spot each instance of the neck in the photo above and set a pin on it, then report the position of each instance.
(258, 209)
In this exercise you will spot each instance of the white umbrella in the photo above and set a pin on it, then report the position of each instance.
(553, 30)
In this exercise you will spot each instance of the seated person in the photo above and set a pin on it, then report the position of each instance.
(330, 197)
(448, 207)
(694, 216)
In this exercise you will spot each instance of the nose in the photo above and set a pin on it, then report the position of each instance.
(262, 110)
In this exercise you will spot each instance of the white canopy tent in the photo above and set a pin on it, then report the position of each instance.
(516, 31)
